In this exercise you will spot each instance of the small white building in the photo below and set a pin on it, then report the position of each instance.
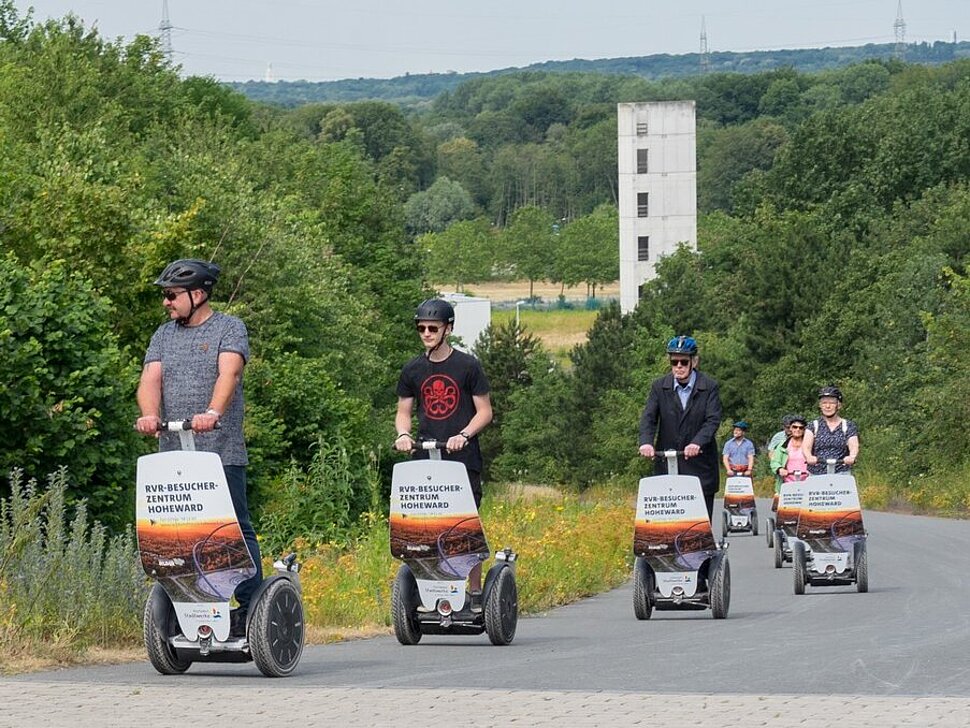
(657, 165)
(472, 317)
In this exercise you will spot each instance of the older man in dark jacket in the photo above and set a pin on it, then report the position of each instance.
(683, 413)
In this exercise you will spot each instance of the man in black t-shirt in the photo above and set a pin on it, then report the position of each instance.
(450, 390)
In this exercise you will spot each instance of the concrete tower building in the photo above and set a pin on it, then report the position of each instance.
(656, 159)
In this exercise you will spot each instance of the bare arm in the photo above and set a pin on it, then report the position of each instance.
(402, 423)
(853, 445)
(808, 444)
(149, 397)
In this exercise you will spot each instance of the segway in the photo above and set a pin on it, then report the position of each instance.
(678, 563)
(785, 521)
(831, 545)
(435, 530)
(740, 511)
(770, 521)
(191, 544)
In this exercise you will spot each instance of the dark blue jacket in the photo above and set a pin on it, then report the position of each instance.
(668, 426)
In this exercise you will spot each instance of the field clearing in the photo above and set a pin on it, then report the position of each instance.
(559, 329)
(519, 290)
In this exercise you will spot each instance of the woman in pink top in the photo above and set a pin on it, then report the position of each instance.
(796, 458)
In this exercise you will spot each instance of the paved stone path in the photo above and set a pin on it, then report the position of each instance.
(83, 705)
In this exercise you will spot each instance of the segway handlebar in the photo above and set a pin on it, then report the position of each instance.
(180, 425)
(430, 445)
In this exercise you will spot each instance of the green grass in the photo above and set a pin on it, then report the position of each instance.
(558, 329)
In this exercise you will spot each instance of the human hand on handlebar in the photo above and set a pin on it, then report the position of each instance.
(205, 422)
(647, 451)
(691, 451)
(456, 442)
(148, 424)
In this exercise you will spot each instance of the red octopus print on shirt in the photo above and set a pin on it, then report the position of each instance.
(439, 395)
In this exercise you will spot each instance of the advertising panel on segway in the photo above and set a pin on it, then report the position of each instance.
(831, 547)
(191, 544)
(740, 510)
(786, 517)
(678, 563)
(436, 531)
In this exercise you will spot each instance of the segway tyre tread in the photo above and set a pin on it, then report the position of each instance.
(754, 523)
(160, 653)
(721, 589)
(502, 608)
(798, 568)
(276, 629)
(779, 554)
(404, 607)
(642, 590)
(862, 571)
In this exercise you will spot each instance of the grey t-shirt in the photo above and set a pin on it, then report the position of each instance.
(190, 366)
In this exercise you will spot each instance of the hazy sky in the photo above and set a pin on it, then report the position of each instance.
(324, 40)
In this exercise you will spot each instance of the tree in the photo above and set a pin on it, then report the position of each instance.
(528, 244)
(587, 250)
(463, 252)
(434, 209)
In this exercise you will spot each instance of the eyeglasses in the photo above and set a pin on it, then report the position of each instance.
(679, 362)
(430, 329)
(172, 295)
(797, 427)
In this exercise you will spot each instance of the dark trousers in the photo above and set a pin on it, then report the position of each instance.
(709, 500)
(236, 476)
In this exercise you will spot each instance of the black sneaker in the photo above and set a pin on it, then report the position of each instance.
(475, 602)
(237, 622)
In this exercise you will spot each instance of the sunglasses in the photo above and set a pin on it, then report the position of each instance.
(679, 362)
(797, 427)
(172, 295)
(430, 329)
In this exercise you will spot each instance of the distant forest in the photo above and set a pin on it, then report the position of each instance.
(420, 89)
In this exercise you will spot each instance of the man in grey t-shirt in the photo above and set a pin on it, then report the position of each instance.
(193, 370)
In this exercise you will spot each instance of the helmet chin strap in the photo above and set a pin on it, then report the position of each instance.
(433, 349)
(184, 320)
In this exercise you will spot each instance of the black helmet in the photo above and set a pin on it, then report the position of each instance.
(830, 391)
(189, 274)
(682, 345)
(435, 309)
(788, 419)
(798, 418)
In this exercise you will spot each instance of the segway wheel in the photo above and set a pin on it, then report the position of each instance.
(158, 629)
(770, 532)
(721, 589)
(404, 607)
(798, 568)
(779, 554)
(725, 518)
(502, 608)
(276, 629)
(754, 523)
(862, 571)
(642, 589)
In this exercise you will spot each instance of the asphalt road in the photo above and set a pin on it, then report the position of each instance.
(909, 636)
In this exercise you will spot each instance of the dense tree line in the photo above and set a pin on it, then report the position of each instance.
(415, 90)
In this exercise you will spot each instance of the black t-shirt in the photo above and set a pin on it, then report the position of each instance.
(443, 391)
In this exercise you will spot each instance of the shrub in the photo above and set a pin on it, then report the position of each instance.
(63, 580)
